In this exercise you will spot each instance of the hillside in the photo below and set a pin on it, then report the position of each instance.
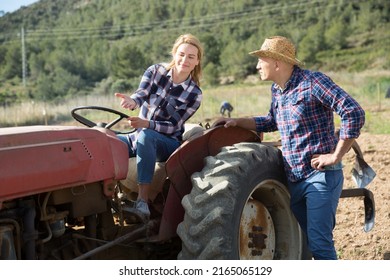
(57, 49)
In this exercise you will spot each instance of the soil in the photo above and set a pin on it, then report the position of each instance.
(351, 241)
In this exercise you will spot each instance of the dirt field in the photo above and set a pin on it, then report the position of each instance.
(352, 243)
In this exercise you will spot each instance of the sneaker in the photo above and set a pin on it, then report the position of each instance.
(140, 209)
(143, 207)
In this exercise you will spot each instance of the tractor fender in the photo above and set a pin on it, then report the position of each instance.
(189, 158)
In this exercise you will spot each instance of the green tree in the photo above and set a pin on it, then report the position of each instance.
(210, 74)
(312, 43)
(3, 53)
(235, 60)
(36, 65)
(67, 84)
(45, 88)
(13, 63)
(212, 49)
(115, 40)
(336, 35)
(368, 17)
(127, 62)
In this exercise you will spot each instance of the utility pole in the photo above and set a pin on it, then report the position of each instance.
(23, 58)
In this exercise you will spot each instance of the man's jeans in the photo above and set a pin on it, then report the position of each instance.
(314, 202)
(152, 146)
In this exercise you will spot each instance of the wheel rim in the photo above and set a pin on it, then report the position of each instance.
(257, 233)
(266, 215)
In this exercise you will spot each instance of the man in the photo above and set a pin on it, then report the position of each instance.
(302, 109)
(226, 106)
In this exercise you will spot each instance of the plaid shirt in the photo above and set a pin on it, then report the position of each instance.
(303, 114)
(165, 105)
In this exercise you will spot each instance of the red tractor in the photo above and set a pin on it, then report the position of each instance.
(221, 195)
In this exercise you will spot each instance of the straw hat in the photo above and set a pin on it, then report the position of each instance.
(279, 48)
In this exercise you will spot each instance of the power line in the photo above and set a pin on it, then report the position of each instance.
(123, 29)
(175, 21)
(225, 18)
(115, 31)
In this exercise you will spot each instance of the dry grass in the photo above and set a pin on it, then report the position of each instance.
(248, 99)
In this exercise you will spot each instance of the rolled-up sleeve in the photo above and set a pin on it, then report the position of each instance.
(351, 113)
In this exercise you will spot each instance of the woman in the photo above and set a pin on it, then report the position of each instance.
(168, 96)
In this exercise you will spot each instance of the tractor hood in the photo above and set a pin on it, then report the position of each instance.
(35, 159)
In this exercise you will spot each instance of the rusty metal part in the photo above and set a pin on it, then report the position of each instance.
(138, 232)
(257, 233)
(16, 228)
(109, 187)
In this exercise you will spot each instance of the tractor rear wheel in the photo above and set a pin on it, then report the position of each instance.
(239, 208)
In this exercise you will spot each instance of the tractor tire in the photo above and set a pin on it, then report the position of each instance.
(239, 208)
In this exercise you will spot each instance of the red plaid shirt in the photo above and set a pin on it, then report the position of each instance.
(303, 114)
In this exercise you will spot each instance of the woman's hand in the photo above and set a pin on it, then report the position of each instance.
(137, 122)
(126, 101)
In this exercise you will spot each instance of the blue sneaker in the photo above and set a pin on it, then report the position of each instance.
(142, 206)
(140, 209)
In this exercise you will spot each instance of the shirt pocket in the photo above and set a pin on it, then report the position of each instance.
(171, 107)
(298, 105)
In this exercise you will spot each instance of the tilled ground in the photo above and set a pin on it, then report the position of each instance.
(352, 243)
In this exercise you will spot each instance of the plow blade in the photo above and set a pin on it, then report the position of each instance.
(362, 173)
(369, 205)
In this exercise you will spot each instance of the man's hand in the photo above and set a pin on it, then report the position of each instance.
(319, 162)
(226, 122)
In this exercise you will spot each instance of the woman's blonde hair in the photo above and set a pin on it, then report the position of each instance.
(192, 40)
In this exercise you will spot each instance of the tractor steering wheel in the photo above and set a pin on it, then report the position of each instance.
(90, 123)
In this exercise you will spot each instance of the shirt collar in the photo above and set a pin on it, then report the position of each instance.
(294, 77)
(292, 81)
(184, 84)
(170, 73)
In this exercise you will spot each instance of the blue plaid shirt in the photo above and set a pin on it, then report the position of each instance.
(303, 114)
(167, 106)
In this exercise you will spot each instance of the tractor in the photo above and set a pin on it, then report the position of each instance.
(221, 195)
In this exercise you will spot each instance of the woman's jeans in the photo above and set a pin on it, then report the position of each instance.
(314, 202)
(152, 147)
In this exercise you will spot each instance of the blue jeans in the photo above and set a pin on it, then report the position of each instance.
(314, 202)
(152, 147)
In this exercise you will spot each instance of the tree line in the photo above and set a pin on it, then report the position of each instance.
(101, 46)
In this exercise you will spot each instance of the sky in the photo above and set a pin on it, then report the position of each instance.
(9, 6)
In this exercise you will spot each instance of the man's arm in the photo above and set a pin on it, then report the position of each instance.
(320, 161)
